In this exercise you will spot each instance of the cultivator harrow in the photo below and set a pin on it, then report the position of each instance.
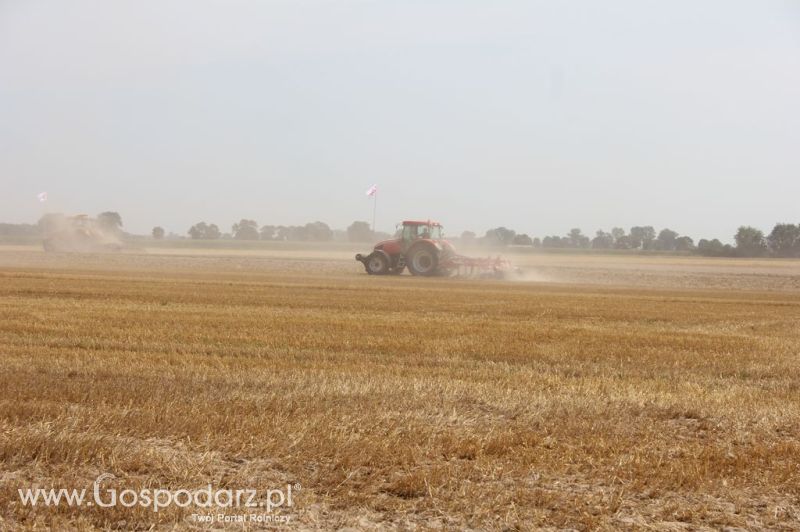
(482, 268)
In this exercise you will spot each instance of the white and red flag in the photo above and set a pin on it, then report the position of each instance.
(371, 191)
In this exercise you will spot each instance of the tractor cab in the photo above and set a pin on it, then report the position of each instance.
(409, 231)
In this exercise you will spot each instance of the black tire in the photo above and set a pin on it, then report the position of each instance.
(377, 263)
(423, 259)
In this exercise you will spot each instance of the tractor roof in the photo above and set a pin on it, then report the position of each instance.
(420, 222)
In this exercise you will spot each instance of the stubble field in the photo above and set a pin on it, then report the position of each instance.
(600, 392)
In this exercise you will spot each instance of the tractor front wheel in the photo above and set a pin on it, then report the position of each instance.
(377, 264)
(422, 260)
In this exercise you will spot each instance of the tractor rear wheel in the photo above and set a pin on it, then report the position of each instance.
(423, 260)
(376, 263)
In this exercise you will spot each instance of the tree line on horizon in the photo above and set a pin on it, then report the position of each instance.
(782, 241)
(108, 220)
(247, 229)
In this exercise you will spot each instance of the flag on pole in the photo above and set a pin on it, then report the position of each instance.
(42, 197)
(372, 192)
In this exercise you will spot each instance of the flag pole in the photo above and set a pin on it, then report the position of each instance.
(374, 209)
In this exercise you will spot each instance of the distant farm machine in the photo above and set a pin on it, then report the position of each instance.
(77, 234)
(421, 247)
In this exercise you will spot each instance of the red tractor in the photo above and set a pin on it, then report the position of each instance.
(421, 247)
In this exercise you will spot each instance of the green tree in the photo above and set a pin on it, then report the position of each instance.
(617, 233)
(576, 239)
(198, 231)
(284, 233)
(19, 230)
(522, 240)
(684, 243)
(158, 233)
(554, 242)
(666, 240)
(318, 232)
(712, 248)
(213, 232)
(359, 232)
(642, 237)
(603, 240)
(204, 231)
(268, 232)
(625, 242)
(784, 240)
(750, 242)
(245, 230)
(499, 236)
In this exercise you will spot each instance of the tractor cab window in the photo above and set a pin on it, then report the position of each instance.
(423, 231)
(412, 232)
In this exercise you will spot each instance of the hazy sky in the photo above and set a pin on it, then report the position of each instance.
(540, 116)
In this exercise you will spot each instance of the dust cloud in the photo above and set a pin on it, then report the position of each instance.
(78, 234)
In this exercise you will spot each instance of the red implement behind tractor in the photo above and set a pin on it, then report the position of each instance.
(421, 247)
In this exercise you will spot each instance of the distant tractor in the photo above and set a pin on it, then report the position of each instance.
(77, 234)
(420, 246)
